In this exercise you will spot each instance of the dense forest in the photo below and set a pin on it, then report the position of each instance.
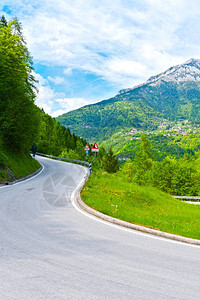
(19, 116)
(54, 138)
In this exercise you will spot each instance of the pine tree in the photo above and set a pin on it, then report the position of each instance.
(143, 161)
(3, 21)
(110, 162)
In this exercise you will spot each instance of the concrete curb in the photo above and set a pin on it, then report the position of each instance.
(144, 229)
(23, 178)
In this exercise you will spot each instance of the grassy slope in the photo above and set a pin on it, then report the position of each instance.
(146, 206)
(144, 108)
(19, 164)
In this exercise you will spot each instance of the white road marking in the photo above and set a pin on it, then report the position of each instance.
(23, 181)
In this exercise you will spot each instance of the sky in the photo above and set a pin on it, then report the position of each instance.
(85, 51)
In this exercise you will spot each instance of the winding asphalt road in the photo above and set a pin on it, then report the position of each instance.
(50, 250)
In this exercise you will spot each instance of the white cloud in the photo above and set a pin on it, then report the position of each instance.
(68, 104)
(75, 36)
(56, 80)
(46, 95)
(71, 103)
(45, 98)
(124, 43)
(58, 112)
(39, 78)
(119, 67)
(68, 71)
(55, 103)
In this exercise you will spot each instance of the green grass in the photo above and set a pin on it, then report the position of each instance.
(112, 195)
(15, 165)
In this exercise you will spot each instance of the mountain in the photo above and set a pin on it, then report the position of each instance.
(173, 95)
(189, 71)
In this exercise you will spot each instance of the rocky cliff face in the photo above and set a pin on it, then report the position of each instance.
(188, 71)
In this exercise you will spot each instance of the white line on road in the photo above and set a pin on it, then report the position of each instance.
(22, 181)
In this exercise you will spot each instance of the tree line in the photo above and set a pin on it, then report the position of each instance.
(177, 176)
(54, 138)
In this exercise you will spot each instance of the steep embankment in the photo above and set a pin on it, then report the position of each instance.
(15, 165)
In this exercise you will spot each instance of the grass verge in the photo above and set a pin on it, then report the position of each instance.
(113, 196)
(16, 165)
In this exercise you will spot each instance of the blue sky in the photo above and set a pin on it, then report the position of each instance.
(85, 51)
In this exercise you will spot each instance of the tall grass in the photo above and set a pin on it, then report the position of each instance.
(112, 195)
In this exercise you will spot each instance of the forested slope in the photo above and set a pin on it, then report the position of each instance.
(19, 118)
(22, 123)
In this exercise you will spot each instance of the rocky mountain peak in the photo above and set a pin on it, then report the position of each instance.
(188, 71)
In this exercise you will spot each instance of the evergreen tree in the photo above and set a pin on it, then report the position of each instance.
(143, 161)
(110, 162)
(128, 170)
(3, 22)
(145, 144)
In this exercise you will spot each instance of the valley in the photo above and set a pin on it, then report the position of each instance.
(174, 138)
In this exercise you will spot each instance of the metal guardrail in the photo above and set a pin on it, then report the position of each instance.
(89, 165)
(74, 161)
(195, 198)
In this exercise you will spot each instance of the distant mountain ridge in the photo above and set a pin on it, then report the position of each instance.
(188, 71)
(172, 95)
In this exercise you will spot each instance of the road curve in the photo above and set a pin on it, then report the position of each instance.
(49, 250)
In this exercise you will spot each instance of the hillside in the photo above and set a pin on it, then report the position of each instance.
(15, 165)
(22, 123)
(173, 95)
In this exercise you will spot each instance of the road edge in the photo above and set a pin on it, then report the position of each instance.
(147, 230)
(23, 178)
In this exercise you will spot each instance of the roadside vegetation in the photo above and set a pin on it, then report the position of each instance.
(113, 195)
(141, 191)
(176, 176)
(15, 165)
